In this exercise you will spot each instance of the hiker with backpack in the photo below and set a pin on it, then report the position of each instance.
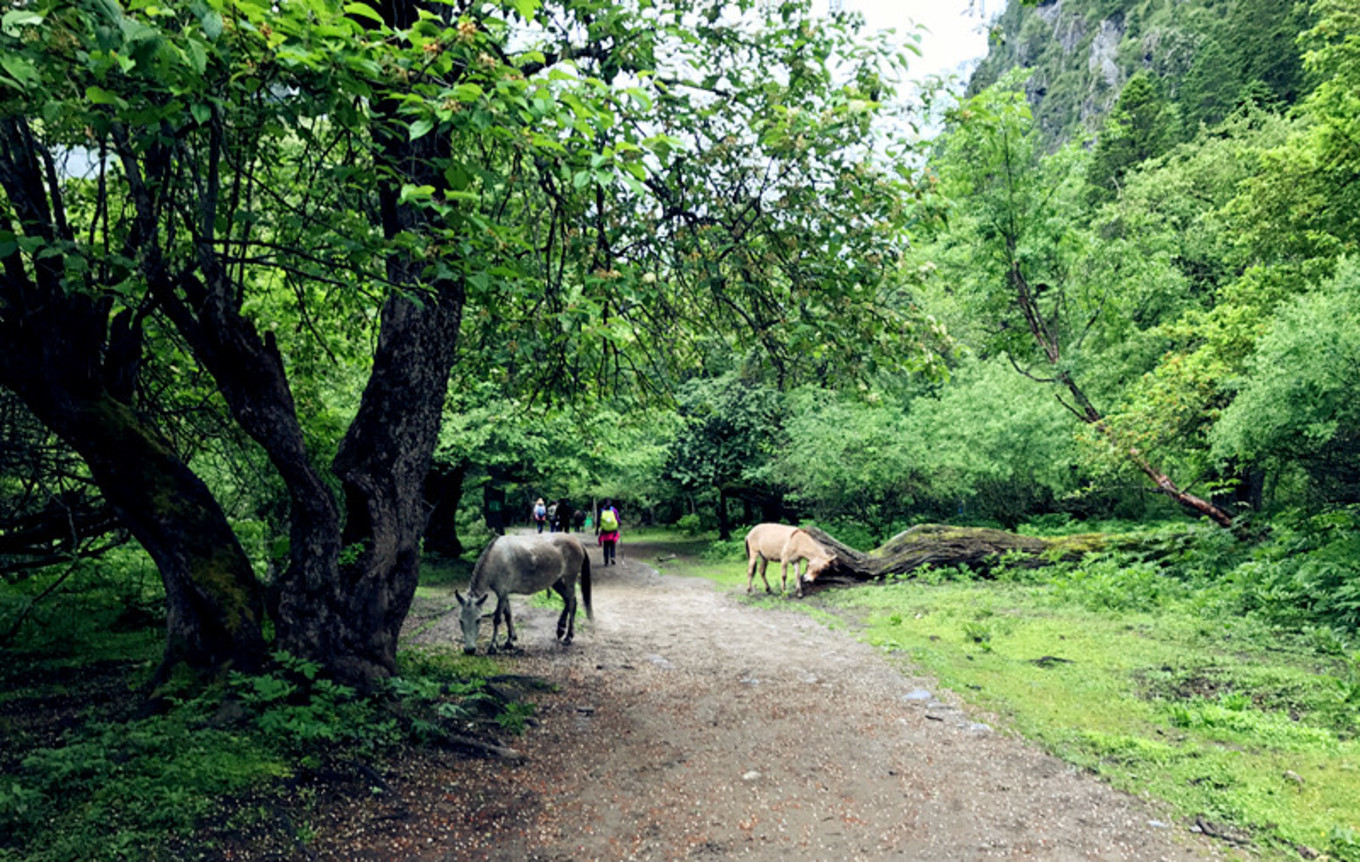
(563, 517)
(607, 528)
(540, 513)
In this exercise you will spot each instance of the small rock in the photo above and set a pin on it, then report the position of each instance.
(749, 680)
(938, 704)
(751, 776)
(1157, 824)
(659, 661)
(979, 727)
(1291, 775)
(917, 694)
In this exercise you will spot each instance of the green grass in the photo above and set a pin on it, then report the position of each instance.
(439, 574)
(1225, 720)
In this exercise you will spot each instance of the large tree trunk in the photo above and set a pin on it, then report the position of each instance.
(724, 525)
(443, 493)
(75, 366)
(382, 464)
(353, 621)
(214, 604)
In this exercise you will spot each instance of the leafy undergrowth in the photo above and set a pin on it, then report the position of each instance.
(1248, 730)
(90, 770)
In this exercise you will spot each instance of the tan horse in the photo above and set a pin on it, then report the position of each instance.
(786, 544)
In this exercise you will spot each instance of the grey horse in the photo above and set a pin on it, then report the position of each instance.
(525, 564)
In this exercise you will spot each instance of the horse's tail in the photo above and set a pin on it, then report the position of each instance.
(585, 584)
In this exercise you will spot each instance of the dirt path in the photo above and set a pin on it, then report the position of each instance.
(689, 725)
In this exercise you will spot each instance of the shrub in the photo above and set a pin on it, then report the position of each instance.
(1115, 582)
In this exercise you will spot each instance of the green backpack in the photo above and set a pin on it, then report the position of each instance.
(609, 521)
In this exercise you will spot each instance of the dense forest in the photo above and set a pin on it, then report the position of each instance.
(300, 300)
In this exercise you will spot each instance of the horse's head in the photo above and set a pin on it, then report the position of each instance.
(469, 618)
(817, 566)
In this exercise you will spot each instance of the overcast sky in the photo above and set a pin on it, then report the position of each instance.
(956, 28)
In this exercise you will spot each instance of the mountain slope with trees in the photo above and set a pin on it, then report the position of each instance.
(1199, 59)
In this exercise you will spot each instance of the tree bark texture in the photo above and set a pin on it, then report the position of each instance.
(443, 491)
(74, 363)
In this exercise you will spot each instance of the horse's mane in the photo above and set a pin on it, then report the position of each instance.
(475, 586)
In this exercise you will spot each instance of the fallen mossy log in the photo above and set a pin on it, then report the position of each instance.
(941, 546)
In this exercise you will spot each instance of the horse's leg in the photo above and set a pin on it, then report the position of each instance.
(798, 575)
(509, 626)
(751, 571)
(764, 561)
(566, 623)
(496, 622)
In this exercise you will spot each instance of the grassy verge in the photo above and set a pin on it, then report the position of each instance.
(1242, 727)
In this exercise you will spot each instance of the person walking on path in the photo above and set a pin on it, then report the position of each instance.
(540, 513)
(607, 528)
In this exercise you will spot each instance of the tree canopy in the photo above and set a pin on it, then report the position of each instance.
(292, 295)
(323, 210)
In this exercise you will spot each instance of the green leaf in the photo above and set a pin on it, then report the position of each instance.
(544, 142)
(467, 92)
(16, 18)
(202, 112)
(457, 178)
(99, 96)
(20, 69)
(212, 25)
(526, 8)
(411, 193)
(420, 128)
(197, 56)
(363, 10)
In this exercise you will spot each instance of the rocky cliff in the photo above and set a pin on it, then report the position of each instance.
(1207, 55)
